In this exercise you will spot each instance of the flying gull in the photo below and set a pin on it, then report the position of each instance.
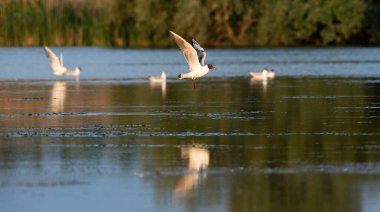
(57, 64)
(195, 60)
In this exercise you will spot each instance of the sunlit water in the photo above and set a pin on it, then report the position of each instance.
(106, 63)
(308, 140)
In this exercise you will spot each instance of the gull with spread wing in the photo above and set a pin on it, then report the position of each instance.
(195, 56)
(57, 65)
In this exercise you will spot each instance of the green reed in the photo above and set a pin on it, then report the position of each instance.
(227, 23)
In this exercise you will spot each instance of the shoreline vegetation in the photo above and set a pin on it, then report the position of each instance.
(219, 24)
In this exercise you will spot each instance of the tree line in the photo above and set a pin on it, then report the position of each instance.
(222, 23)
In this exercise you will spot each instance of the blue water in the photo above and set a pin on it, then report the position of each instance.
(108, 63)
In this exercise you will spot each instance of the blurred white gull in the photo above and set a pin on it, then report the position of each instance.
(161, 78)
(263, 75)
(195, 60)
(57, 65)
(271, 74)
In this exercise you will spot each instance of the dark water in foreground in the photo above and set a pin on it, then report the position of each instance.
(291, 144)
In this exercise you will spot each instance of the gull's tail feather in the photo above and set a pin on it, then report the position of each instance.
(184, 76)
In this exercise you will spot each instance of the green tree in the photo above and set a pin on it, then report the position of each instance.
(191, 19)
(320, 22)
(371, 23)
(224, 23)
(152, 22)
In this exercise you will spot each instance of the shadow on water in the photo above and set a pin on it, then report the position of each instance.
(288, 144)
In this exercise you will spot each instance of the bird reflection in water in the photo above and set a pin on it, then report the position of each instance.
(199, 159)
(77, 83)
(163, 87)
(263, 82)
(58, 95)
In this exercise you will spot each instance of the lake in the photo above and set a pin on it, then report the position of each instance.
(308, 140)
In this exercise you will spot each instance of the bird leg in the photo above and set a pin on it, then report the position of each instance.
(193, 81)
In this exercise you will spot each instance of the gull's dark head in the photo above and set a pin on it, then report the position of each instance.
(210, 66)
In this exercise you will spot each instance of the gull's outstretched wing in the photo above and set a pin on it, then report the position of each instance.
(54, 62)
(188, 52)
(200, 51)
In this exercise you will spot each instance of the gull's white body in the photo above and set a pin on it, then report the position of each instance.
(161, 78)
(271, 74)
(195, 74)
(259, 75)
(76, 72)
(263, 75)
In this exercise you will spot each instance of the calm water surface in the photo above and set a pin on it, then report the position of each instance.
(309, 140)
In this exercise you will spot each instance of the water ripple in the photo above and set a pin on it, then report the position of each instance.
(178, 134)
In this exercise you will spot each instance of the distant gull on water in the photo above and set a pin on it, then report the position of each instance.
(263, 75)
(161, 78)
